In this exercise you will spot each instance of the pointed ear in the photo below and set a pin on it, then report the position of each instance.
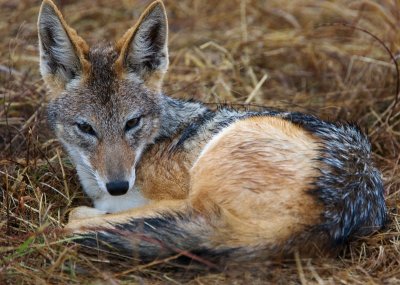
(62, 51)
(144, 47)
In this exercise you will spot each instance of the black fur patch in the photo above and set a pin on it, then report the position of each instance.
(193, 128)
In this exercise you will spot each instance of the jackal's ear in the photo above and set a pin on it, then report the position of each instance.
(144, 47)
(62, 51)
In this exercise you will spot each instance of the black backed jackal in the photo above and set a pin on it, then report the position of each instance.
(167, 175)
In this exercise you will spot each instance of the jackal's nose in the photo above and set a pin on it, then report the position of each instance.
(117, 188)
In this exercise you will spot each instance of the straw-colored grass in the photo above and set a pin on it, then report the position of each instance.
(278, 53)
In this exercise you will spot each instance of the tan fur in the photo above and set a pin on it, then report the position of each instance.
(164, 177)
(258, 173)
(163, 174)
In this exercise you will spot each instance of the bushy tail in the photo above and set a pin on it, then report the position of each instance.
(186, 234)
(350, 187)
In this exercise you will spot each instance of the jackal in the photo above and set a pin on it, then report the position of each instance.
(168, 175)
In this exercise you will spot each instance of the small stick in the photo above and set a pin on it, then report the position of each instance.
(255, 90)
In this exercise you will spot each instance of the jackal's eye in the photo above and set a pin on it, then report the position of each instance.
(132, 123)
(86, 128)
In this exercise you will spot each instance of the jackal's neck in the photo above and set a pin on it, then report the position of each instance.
(177, 114)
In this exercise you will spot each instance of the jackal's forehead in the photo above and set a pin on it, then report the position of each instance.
(102, 81)
(102, 77)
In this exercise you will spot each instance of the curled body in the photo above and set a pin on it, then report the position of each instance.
(168, 176)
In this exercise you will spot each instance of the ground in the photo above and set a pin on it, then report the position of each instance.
(334, 59)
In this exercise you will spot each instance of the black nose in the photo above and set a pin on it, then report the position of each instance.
(117, 188)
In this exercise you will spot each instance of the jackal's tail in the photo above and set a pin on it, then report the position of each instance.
(185, 234)
(350, 187)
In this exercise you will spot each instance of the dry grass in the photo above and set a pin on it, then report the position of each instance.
(273, 53)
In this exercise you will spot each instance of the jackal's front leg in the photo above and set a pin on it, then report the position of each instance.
(83, 219)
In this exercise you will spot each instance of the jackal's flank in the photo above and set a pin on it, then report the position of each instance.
(185, 178)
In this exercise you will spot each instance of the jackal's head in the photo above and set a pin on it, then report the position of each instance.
(104, 103)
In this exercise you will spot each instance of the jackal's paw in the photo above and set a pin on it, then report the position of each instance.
(83, 219)
(84, 212)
